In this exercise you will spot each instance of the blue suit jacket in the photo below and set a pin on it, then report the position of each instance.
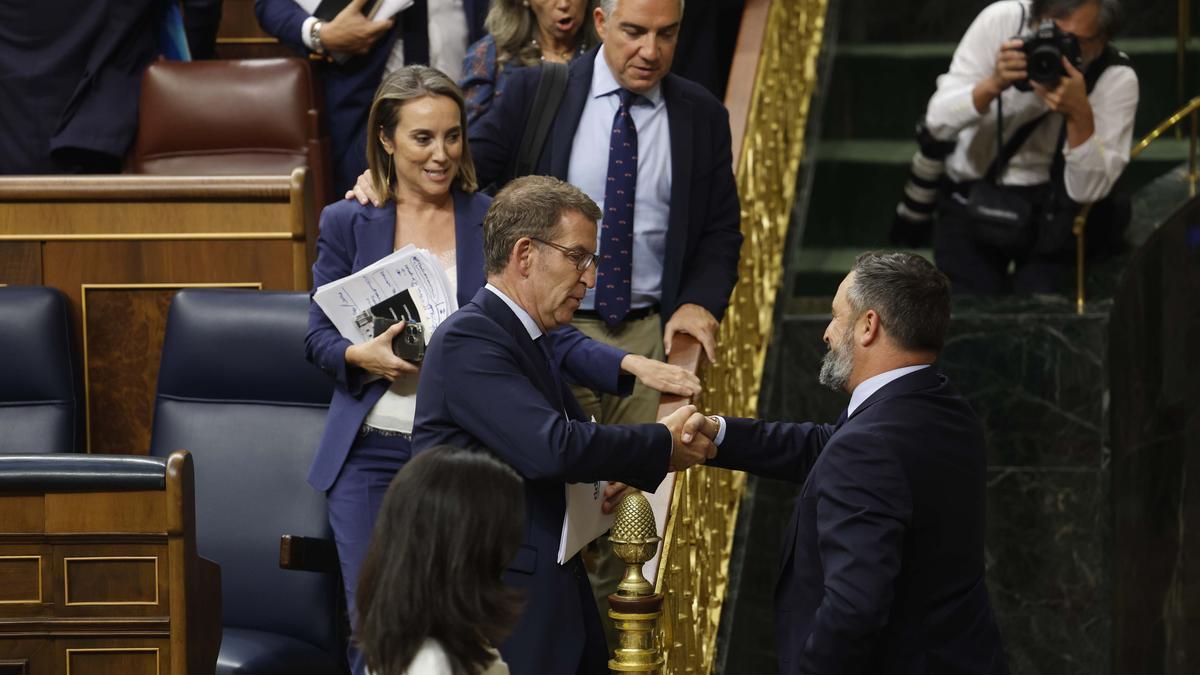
(703, 232)
(882, 566)
(354, 236)
(486, 385)
(350, 86)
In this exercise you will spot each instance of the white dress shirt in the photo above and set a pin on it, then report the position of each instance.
(1091, 168)
(447, 21)
(527, 321)
(860, 394)
(588, 169)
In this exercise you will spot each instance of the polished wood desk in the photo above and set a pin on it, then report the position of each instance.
(102, 578)
(120, 246)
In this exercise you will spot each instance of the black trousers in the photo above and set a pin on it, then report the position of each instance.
(977, 268)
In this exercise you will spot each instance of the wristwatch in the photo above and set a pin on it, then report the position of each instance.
(314, 36)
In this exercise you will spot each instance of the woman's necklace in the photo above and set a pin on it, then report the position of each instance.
(563, 55)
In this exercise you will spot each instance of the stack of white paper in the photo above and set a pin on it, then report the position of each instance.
(583, 521)
(410, 269)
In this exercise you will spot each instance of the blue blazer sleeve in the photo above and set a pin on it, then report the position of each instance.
(591, 363)
(490, 397)
(324, 346)
(283, 19)
(780, 450)
(864, 506)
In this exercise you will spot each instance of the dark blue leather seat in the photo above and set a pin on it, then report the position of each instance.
(40, 409)
(235, 390)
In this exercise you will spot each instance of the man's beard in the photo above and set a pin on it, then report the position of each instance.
(837, 364)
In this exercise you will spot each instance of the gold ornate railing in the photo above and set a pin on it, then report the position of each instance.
(1188, 111)
(768, 123)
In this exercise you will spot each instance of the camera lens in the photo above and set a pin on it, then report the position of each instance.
(1045, 65)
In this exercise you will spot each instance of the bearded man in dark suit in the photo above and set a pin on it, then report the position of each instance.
(882, 566)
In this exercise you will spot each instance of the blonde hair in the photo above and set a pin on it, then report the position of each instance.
(407, 84)
(513, 26)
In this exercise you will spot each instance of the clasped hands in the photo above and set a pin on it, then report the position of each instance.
(692, 437)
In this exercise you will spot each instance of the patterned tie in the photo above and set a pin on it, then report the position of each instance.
(614, 275)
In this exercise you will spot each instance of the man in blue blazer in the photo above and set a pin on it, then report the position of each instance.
(350, 86)
(686, 220)
(489, 382)
(882, 566)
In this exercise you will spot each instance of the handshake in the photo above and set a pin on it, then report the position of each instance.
(692, 437)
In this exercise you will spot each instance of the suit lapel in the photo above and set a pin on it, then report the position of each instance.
(562, 134)
(680, 120)
(468, 245)
(535, 364)
(377, 237)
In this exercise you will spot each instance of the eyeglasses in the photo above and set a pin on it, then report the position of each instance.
(581, 259)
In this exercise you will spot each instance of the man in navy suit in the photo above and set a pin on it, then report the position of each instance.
(686, 219)
(350, 86)
(883, 563)
(489, 382)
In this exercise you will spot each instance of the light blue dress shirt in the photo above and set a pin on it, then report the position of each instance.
(588, 170)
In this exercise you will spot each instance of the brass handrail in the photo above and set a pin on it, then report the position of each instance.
(771, 84)
(1189, 110)
(1182, 35)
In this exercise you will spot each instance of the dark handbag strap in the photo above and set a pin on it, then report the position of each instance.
(552, 84)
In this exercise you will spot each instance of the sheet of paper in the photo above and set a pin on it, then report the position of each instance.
(583, 521)
(660, 503)
(386, 9)
(345, 300)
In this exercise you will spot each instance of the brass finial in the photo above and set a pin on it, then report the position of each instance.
(635, 541)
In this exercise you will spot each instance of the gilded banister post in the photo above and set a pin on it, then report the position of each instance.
(635, 607)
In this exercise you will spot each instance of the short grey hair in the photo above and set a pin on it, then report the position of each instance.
(610, 6)
(530, 206)
(1109, 17)
(910, 295)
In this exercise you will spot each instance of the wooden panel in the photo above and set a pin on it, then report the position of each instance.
(20, 263)
(114, 661)
(21, 513)
(106, 512)
(26, 657)
(20, 579)
(113, 580)
(47, 220)
(125, 330)
(128, 323)
(240, 36)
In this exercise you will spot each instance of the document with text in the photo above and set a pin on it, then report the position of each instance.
(348, 301)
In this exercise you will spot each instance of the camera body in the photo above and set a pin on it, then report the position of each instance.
(409, 344)
(1044, 51)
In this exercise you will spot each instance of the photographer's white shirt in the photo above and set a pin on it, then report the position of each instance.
(1091, 168)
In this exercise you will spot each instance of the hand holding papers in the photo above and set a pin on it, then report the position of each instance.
(584, 521)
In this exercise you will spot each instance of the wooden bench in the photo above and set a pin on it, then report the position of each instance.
(98, 568)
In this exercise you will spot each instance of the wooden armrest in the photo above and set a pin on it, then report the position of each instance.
(308, 554)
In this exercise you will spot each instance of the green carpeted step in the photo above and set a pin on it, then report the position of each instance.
(878, 91)
(819, 270)
(856, 185)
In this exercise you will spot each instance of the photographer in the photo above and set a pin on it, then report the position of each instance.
(1041, 76)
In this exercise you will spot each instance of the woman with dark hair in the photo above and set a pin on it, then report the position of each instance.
(523, 33)
(430, 598)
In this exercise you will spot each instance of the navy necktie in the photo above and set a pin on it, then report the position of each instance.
(614, 274)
